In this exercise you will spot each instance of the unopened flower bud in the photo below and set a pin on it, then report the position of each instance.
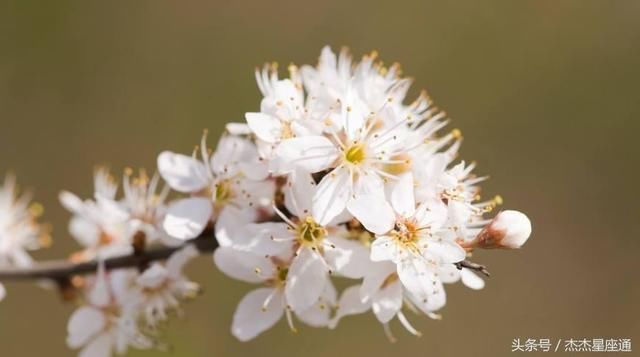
(509, 229)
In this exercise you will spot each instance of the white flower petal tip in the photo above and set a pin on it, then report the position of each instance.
(187, 218)
(257, 312)
(183, 173)
(508, 230)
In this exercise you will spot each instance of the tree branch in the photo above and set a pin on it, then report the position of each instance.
(61, 270)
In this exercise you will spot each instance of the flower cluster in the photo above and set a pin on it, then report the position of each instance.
(123, 308)
(336, 176)
(110, 226)
(19, 231)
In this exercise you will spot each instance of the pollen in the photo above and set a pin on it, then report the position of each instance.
(286, 131)
(282, 274)
(36, 209)
(224, 191)
(311, 233)
(355, 154)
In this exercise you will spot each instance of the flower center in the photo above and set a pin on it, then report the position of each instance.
(310, 233)
(355, 154)
(282, 274)
(286, 132)
(407, 234)
(224, 191)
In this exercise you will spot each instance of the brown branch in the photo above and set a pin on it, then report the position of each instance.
(473, 266)
(62, 270)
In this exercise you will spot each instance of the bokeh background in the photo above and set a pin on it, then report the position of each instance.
(545, 92)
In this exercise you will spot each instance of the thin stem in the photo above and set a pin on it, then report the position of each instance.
(473, 266)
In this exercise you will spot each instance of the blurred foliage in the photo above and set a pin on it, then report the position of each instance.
(544, 91)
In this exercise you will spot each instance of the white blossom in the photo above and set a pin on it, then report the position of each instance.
(107, 323)
(233, 176)
(335, 175)
(367, 188)
(263, 307)
(19, 231)
(108, 225)
(161, 287)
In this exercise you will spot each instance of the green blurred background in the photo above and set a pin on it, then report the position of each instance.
(546, 93)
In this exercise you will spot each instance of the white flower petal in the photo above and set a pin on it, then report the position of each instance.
(387, 302)
(256, 193)
(310, 153)
(3, 292)
(230, 151)
(100, 294)
(252, 317)
(232, 223)
(85, 232)
(111, 211)
(244, 266)
(255, 169)
(120, 282)
(265, 126)
(458, 213)
(369, 185)
(331, 197)
(183, 173)
(319, 315)
(444, 251)
(101, 346)
(85, 323)
(238, 129)
(306, 280)
(448, 273)
(71, 202)
(471, 280)
(299, 192)
(265, 238)
(353, 113)
(187, 218)
(411, 278)
(375, 277)
(347, 257)
(385, 248)
(423, 285)
(402, 196)
(375, 214)
(179, 259)
(153, 277)
(349, 304)
(432, 213)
